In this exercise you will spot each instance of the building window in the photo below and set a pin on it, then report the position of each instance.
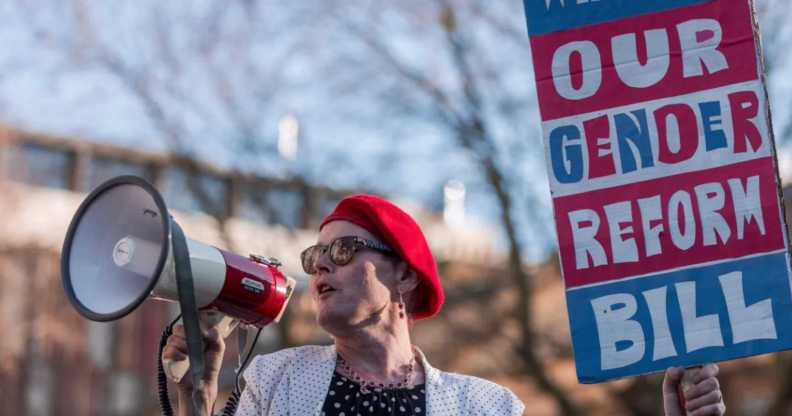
(103, 168)
(125, 392)
(39, 391)
(42, 166)
(328, 203)
(196, 191)
(271, 204)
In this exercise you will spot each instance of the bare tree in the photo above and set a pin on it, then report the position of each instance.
(451, 79)
(772, 16)
(459, 97)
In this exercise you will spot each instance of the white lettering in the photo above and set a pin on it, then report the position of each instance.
(700, 39)
(651, 212)
(683, 240)
(585, 223)
(747, 322)
(700, 331)
(624, 249)
(612, 314)
(628, 66)
(711, 198)
(747, 204)
(591, 72)
(663, 342)
(549, 2)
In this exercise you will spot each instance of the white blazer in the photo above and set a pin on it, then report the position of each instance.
(295, 382)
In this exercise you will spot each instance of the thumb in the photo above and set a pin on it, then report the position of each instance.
(671, 381)
(673, 376)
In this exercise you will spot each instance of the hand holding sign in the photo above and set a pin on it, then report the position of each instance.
(702, 397)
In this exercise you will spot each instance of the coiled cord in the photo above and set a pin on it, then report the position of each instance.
(236, 394)
(232, 403)
(162, 380)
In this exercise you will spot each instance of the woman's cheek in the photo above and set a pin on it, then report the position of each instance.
(312, 290)
(368, 277)
(370, 270)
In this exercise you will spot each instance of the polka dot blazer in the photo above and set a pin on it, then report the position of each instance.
(296, 382)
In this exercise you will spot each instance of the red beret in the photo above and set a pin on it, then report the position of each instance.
(397, 229)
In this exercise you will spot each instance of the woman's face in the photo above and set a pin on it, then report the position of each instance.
(356, 294)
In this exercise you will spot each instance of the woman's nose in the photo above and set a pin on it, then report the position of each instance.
(323, 264)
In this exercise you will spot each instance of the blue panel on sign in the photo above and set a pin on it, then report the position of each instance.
(545, 16)
(701, 314)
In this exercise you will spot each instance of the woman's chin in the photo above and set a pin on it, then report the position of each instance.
(328, 316)
(340, 322)
(337, 319)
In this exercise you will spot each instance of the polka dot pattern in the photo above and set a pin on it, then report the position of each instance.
(346, 398)
(298, 381)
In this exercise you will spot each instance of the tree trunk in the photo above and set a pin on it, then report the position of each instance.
(522, 281)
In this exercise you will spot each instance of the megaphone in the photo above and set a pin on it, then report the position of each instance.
(121, 248)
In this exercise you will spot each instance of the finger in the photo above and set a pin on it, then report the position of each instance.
(178, 344)
(174, 355)
(214, 341)
(713, 409)
(713, 397)
(705, 372)
(178, 329)
(702, 388)
(174, 352)
(213, 335)
(671, 380)
(177, 338)
(215, 348)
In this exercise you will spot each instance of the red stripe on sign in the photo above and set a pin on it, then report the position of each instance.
(718, 50)
(670, 222)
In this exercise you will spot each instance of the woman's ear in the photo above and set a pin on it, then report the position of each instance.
(408, 280)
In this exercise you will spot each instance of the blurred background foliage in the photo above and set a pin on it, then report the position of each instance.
(254, 118)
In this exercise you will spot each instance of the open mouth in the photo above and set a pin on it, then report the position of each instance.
(324, 288)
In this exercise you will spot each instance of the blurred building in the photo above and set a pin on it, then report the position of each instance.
(54, 362)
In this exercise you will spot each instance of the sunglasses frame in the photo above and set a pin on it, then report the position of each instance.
(358, 243)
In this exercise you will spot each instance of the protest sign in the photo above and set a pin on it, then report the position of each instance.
(665, 189)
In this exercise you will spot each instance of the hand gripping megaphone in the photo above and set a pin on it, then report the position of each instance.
(123, 247)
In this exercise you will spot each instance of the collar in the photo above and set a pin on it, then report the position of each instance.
(305, 389)
(314, 389)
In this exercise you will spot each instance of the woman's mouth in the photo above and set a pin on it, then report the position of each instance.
(324, 290)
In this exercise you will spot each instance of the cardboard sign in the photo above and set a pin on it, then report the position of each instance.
(664, 183)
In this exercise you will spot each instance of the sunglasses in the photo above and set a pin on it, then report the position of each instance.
(341, 251)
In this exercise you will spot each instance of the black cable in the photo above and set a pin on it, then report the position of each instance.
(247, 358)
(236, 394)
(162, 380)
(232, 403)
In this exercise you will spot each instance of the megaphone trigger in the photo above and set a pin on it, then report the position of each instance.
(208, 319)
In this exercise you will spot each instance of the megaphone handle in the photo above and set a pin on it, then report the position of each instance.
(189, 309)
(208, 319)
(175, 370)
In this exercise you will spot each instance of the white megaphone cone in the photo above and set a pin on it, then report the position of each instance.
(119, 250)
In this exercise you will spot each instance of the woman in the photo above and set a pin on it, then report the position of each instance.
(373, 274)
